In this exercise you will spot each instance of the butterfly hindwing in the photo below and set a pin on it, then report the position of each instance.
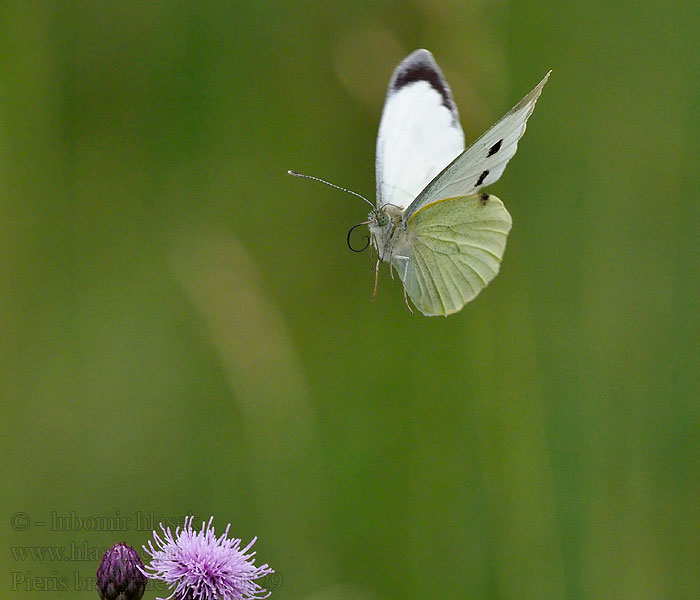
(451, 250)
(484, 161)
(419, 133)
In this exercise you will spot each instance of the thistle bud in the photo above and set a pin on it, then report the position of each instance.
(119, 577)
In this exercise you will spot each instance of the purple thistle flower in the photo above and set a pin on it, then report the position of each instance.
(201, 566)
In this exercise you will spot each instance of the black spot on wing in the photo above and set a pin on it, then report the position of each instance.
(420, 66)
(482, 177)
(484, 198)
(495, 148)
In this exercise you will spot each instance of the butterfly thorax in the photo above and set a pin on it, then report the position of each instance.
(383, 222)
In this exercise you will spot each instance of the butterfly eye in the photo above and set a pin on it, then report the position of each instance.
(382, 218)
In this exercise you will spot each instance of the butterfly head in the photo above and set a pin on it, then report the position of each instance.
(382, 222)
(379, 222)
(378, 218)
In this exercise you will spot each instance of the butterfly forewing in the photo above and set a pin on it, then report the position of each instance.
(484, 161)
(453, 250)
(419, 133)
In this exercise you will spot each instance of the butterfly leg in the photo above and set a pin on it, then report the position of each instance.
(392, 266)
(405, 268)
(389, 251)
(405, 299)
(372, 248)
(376, 280)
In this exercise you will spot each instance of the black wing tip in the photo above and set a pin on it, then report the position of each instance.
(417, 66)
(420, 55)
(421, 66)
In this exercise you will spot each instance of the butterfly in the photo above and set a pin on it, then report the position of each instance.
(443, 236)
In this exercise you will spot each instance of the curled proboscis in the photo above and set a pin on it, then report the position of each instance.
(366, 238)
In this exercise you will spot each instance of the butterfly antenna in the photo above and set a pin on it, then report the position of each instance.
(296, 174)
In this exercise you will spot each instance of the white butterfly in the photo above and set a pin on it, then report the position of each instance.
(444, 239)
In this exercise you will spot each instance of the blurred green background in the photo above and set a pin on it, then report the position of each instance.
(185, 331)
